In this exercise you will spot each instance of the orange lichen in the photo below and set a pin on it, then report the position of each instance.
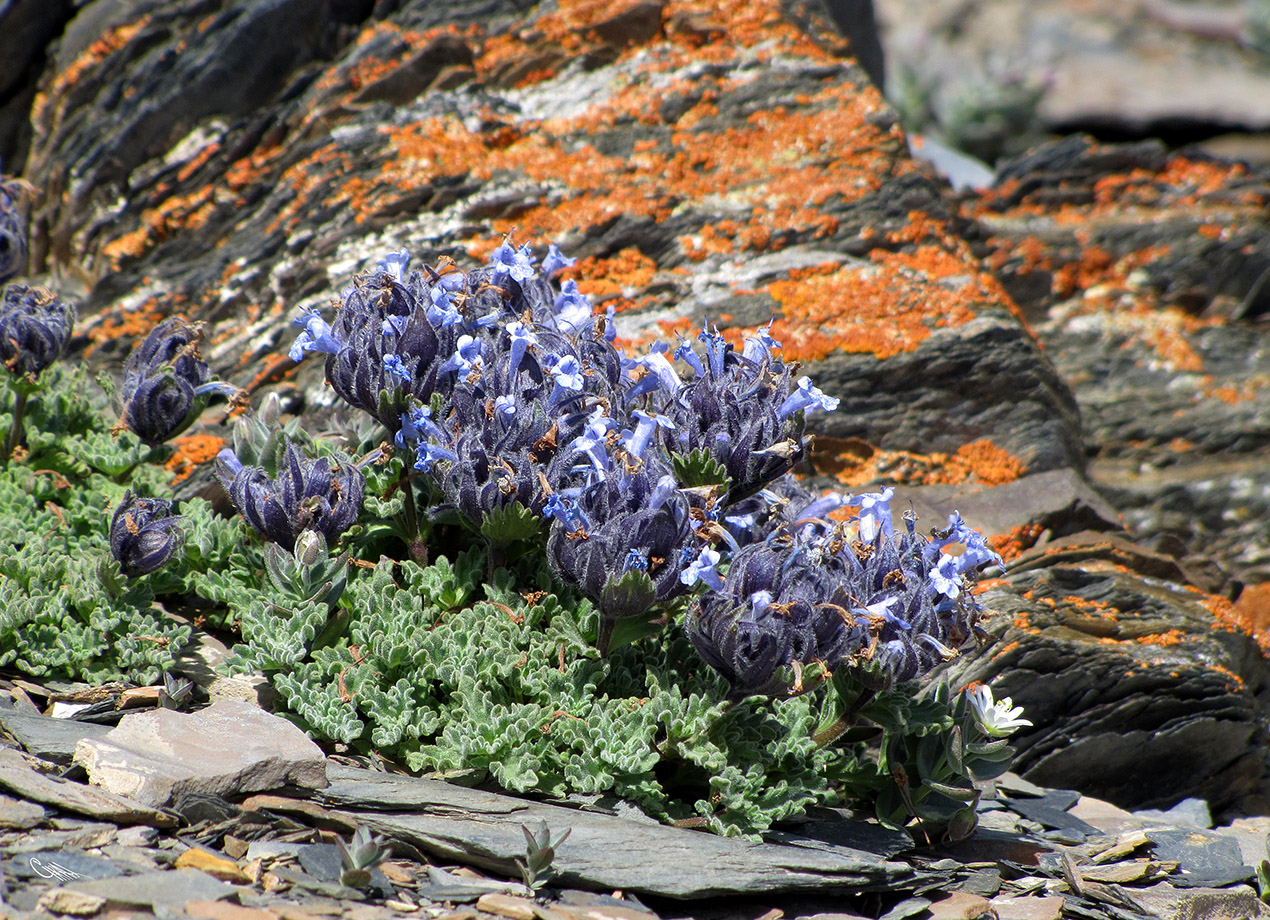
(885, 308)
(1250, 617)
(855, 463)
(191, 451)
(1018, 541)
(128, 324)
(111, 41)
(1172, 637)
(629, 269)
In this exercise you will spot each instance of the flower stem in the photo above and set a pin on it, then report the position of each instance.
(15, 430)
(836, 729)
(417, 548)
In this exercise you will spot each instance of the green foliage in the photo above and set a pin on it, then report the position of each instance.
(445, 673)
(65, 608)
(698, 468)
(931, 753)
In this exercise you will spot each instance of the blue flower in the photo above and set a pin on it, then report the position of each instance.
(428, 453)
(760, 345)
(661, 372)
(516, 263)
(505, 406)
(317, 336)
(467, 355)
(806, 398)
(567, 376)
(522, 337)
(563, 506)
(417, 425)
(635, 560)
(555, 261)
(394, 365)
(875, 515)
(636, 441)
(945, 577)
(573, 308)
(396, 265)
(716, 349)
(686, 354)
(441, 310)
(703, 569)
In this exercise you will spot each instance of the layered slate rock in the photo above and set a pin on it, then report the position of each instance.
(485, 829)
(652, 140)
(730, 162)
(1127, 69)
(1145, 275)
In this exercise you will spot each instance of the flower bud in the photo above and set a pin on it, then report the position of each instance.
(34, 329)
(165, 382)
(144, 533)
(307, 495)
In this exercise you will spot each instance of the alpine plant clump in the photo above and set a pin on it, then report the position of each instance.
(656, 483)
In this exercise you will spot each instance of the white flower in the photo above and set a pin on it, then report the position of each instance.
(998, 719)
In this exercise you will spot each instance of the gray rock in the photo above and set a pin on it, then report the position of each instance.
(16, 814)
(1190, 811)
(485, 829)
(1204, 859)
(230, 747)
(1126, 68)
(1164, 900)
(1135, 696)
(167, 889)
(63, 865)
(48, 738)
(17, 775)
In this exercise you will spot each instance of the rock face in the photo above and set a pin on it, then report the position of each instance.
(1076, 353)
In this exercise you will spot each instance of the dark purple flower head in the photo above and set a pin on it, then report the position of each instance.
(144, 534)
(165, 382)
(624, 540)
(307, 495)
(382, 348)
(34, 329)
(889, 604)
(12, 232)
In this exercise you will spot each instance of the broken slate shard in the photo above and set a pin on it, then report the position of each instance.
(231, 747)
(485, 829)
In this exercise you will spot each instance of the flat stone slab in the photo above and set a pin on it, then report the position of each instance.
(20, 777)
(231, 747)
(46, 737)
(170, 889)
(602, 852)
